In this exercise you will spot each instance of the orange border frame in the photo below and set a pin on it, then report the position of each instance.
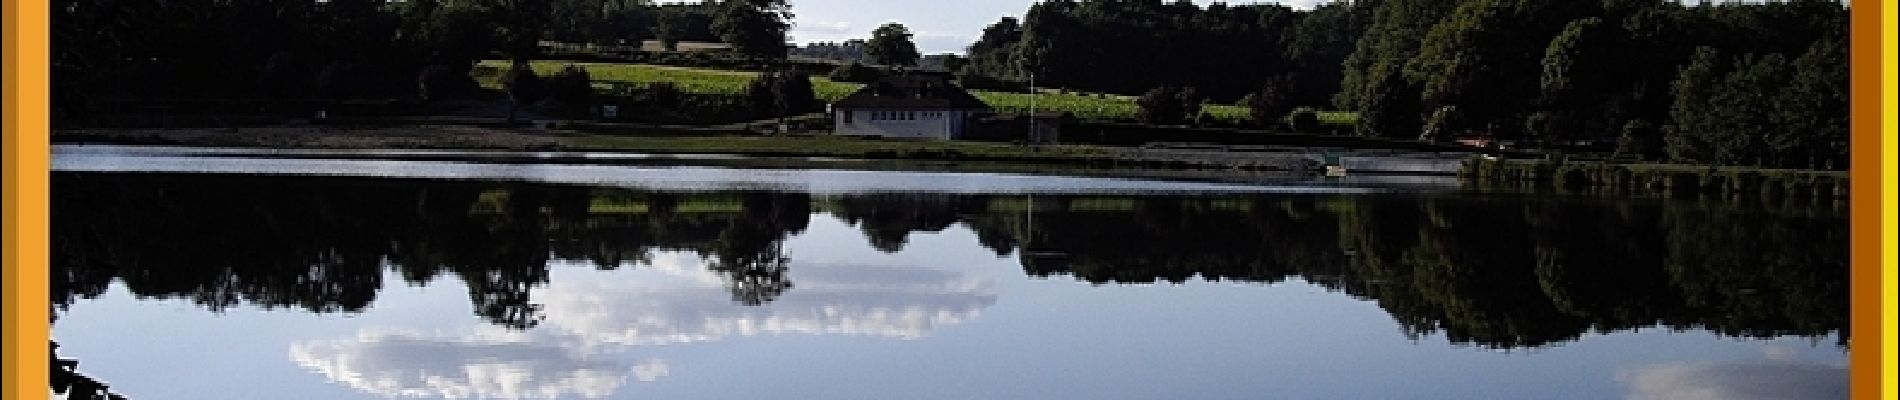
(1871, 197)
(27, 65)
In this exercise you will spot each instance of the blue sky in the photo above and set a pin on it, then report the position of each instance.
(939, 25)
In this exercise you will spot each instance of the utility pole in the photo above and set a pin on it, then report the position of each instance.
(1032, 108)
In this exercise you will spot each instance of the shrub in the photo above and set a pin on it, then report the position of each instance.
(781, 93)
(1640, 139)
(1168, 105)
(440, 82)
(523, 87)
(1303, 120)
(1443, 125)
(573, 88)
(285, 76)
(340, 80)
(662, 95)
(1269, 105)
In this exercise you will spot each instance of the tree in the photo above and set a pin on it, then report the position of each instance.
(573, 89)
(1392, 35)
(1169, 105)
(1303, 120)
(890, 45)
(438, 82)
(340, 80)
(523, 87)
(754, 28)
(671, 24)
(1812, 111)
(781, 93)
(457, 36)
(1486, 57)
(1271, 104)
(1687, 139)
(520, 24)
(1391, 107)
(993, 54)
(1640, 139)
(285, 76)
(1444, 124)
(1582, 80)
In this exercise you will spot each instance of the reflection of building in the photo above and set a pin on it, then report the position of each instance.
(907, 107)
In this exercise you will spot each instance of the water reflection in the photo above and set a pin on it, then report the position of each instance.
(595, 327)
(1490, 271)
(393, 364)
(1758, 380)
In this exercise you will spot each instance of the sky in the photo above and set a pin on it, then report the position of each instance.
(939, 26)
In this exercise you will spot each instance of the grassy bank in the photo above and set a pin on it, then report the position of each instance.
(1093, 106)
(1772, 186)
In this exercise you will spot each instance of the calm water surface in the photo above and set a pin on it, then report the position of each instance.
(243, 277)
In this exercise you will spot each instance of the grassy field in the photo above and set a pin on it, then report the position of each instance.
(689, 80)
(708, 81)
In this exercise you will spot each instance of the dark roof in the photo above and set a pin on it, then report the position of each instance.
(911, 92)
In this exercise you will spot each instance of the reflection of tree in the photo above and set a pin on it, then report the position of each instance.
(321, 244)
(1504, 272)
(1487, 271)
(67, 381)
(888, 219)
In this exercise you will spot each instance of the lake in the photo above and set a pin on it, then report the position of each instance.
(224, 274)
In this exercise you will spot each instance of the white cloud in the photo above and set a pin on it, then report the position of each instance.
(824, 27)
(413, 365)
(1736, 381)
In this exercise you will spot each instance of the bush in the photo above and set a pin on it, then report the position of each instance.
(573, 88)
(285, 76)
(1303, 120)
(1640, 139)
(440, 82)
(1169, 105)
(340, 80)
(664, 95)
(1269, 105)
(781, 93)
(1444, 124)
(523, 87)
(855, 72)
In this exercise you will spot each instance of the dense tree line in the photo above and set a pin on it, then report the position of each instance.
(303, 49)
(852, 50)
(1735, 83)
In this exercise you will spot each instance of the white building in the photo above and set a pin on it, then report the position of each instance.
(907, 107)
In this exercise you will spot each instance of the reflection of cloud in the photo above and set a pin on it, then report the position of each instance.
(872, 301)
(674, 300)
(401, 364)
(1744, 381)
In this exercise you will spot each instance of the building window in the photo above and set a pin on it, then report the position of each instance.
(847, 116)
